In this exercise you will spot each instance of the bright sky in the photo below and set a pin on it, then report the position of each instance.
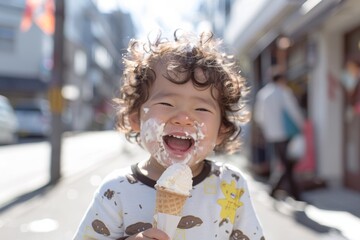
(151, 14)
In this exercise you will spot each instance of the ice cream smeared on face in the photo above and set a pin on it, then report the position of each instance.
(151, 136)
(199, 135)
(176, 178)
(169, 144)
(146, 110)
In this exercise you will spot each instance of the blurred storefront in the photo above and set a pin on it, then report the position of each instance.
(310, 40)
(351, 117)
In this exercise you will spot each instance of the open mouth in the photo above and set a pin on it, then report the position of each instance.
(178, 144)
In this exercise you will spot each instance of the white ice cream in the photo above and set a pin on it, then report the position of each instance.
(176, 178)
(152, 133)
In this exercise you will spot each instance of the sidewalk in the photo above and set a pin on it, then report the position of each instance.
(335, 210)
(55, 212)
(79, 151)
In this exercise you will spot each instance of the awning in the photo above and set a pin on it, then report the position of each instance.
(254, 20)
(249, 32)
(299, 23)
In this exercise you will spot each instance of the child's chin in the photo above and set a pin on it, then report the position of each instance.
(172, 159)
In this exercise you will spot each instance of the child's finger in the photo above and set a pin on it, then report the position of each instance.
(154, 233)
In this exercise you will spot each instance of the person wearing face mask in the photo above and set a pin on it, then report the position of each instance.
(180, 100)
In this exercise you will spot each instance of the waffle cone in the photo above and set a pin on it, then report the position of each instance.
(169, 202)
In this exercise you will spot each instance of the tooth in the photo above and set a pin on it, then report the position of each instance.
(180, 137)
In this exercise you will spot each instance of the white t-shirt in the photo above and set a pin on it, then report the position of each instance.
(219, 207)
(271, 100)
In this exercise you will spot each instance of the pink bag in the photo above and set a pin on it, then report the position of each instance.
(307, 163)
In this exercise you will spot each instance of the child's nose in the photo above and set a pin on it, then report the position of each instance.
(182, 119)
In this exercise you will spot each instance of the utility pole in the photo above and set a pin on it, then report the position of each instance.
(55, 97)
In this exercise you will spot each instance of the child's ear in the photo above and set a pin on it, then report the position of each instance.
(134, 120)
(221, 134)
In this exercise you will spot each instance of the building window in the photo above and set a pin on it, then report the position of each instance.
(7, 38)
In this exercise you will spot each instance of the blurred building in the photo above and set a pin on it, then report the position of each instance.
(310, 40)
(214, 15)
(93, 42)
(21, 54)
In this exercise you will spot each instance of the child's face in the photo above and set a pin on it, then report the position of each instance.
(179, 123)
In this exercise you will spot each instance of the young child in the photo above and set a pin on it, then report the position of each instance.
(180, 101)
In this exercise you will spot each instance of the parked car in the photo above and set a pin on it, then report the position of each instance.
(8, 122)
(34, 118)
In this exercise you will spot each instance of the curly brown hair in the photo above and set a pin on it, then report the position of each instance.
(183, 57)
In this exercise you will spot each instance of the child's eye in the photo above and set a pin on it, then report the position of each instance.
(202, 110)
(165, 104)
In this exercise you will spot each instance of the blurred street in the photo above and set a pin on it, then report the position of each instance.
(79, 152)
(53, 212)
(61, 66)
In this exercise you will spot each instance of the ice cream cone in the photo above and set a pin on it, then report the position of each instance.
(172, 189)
(169, 202)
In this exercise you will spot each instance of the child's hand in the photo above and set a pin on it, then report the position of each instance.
(151, 233)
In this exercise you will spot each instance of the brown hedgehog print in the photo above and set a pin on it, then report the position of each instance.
(100, 227)
(137, 227)
(238, 235)
(189, 221)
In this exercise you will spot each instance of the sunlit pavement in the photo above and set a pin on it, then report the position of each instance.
(25, 167)
(54, 212)
(327, 214)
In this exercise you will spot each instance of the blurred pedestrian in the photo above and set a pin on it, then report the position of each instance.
(275, 102)
(179, 100)
(350, 80)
